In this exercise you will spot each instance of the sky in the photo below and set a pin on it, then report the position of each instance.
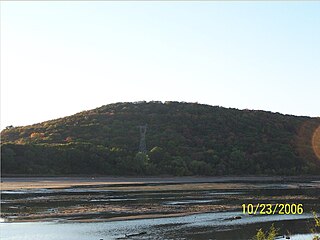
(59, 58)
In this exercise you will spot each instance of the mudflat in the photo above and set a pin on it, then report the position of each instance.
(119, 198)
(15, 183)
(115, 206)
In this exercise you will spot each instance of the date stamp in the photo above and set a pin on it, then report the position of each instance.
(271, 209)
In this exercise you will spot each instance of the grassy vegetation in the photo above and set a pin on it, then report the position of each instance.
(273, 232)
(316, 229)
(268, 235)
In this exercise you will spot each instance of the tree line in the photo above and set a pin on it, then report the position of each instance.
(182, 139)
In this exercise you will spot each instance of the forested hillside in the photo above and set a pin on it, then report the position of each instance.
(181, 139)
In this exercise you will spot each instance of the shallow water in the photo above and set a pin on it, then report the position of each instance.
(161, 228)
(56, 212)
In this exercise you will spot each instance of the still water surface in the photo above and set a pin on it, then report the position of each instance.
(90, 213)
(213, 225)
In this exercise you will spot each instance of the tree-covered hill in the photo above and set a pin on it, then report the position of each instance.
(182, 139)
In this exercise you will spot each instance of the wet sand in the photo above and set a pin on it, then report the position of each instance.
(15, 183)
(111, 199)
(201, 207)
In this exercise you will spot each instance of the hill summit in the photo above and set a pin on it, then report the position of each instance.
(181, 139)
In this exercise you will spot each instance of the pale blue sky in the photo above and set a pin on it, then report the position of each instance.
(59, 58)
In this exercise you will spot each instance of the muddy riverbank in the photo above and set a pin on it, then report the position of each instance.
(201, 207)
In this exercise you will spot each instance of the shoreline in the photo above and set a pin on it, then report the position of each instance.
(112, 219)
(143, 217)
(107, 199)
(20, 183)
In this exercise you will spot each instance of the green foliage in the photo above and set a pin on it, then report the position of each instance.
(317, 219)
(200, 168)
(316, 229)
(183, 139)
(260, 235)
(273, 232)
(269, 235)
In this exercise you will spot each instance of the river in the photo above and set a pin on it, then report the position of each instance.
(154, 209)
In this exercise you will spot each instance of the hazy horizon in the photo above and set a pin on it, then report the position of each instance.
(61, 58)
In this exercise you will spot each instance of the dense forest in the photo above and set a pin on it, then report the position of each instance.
(181, 139)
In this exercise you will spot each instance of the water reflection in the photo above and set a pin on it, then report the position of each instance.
(218, 225)
(92, 212)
